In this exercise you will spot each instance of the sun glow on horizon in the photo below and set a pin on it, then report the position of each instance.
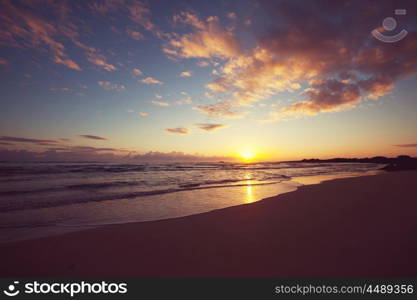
(247, 155)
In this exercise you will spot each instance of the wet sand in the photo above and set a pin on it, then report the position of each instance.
(353, 227)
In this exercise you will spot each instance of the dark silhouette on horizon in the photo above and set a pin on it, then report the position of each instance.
(399, 163)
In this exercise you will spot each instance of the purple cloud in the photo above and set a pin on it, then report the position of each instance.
(94, 137)
(86, 154)
(178, 130)
(406, 145)
(26, 140)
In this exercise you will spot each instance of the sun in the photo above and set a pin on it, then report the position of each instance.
(247, 155)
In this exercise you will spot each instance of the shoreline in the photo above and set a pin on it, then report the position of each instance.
(61, 219)
(285, 235)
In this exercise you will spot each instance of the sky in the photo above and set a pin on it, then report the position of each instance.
(130, 80)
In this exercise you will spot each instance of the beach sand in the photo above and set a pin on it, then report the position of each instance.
(354, 227)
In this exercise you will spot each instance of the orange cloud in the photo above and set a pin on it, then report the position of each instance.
(137, 72)
(136, 35)
(23, 29)
(377, 87)
(186, 74)
(210, 127)
(67, 62)
(221, 109)
(99, 60)
(151, 80)
(340, 66)
(208, 39)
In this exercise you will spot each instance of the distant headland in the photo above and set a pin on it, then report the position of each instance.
(399, 163)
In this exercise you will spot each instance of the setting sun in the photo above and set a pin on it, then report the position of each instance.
(247, 155)
(251, 139)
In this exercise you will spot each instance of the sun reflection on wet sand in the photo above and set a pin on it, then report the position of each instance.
(249, 194)
(154, 207)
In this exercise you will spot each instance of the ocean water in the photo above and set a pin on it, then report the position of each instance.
(38, 199)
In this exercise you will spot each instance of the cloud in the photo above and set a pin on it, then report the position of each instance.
(210, 127)
(24, 29)
(151, 80)
(160, 103)
(67, 62)
(178, 130)
(327, 96)
(232, 15)
(158, 96)
(3, 61)
(63, 89)
(175, 156)
(93, 137)
(134, 9)
(340, 65)
(376, 87)
(406, 145)
(100, 61)
(137, 72)
(186, 74)
(220, 84)
(102, 154)
(207, 39)
(110, 155)
(221, 109)
(139, 13)
(186, 100)
(202, 64)
(136, 35)
(68, 154)
(143, 114)
(94, 149)
(190, 19)
(26, 26)
(107, 85)
(27, 140)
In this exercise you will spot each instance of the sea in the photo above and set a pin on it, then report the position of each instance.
(41, 199)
